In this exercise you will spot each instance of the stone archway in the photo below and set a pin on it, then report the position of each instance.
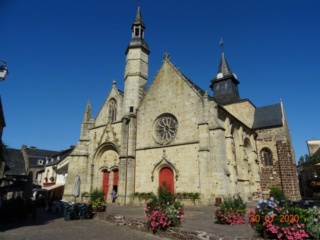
(106, 169)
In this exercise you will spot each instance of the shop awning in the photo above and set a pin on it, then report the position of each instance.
(47, 189)
(54, 186)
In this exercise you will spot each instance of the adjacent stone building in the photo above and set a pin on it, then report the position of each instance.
(215, 144)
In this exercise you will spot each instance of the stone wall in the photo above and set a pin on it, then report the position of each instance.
(243, 110)
(288, 170)
(282, 174)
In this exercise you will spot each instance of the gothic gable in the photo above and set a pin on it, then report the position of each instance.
(116, 97)
(109, 135)
(173, 97)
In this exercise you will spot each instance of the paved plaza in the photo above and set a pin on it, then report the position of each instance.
(53, 226)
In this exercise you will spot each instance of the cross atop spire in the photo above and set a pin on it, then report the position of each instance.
(221, 43)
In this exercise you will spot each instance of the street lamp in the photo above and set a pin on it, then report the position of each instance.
(3, 70)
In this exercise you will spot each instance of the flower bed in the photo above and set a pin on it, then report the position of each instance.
(98, 202)
(269, 220)
(164, 210)
(231, 211)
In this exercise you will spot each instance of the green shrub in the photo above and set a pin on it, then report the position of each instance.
(98, 202)
(97, 195)
(165, 195)
(232, 203)
(277, 194)
(142, 195)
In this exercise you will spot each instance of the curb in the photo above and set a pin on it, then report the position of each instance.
(178, 233)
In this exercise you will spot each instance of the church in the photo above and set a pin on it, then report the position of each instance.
(215, 144)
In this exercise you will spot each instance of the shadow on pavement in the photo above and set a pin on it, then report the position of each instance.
(42, 217)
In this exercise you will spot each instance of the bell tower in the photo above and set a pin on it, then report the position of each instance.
(135, 87)
(136, 70)
(225, 84)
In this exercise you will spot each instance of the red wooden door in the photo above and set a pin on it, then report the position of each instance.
(166, 175)
(105, 184)
(115, 177)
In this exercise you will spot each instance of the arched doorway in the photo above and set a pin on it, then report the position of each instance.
(115, 180)
(105, 183)
(110, 179)
(166, 175)
(105, 164)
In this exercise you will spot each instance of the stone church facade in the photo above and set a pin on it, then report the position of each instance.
(217, 145)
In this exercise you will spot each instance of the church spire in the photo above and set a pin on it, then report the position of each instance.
(87, 114)
(224, 69)
(138, 20)
(137, 39)
(87, 123)
(225, 84)
(136, 70)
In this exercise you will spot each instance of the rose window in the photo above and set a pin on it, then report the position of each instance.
(166, 128)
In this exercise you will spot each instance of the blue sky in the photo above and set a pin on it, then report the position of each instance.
(62, 53)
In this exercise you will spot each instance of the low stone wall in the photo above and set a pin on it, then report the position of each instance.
(171, 233)
(185, 201)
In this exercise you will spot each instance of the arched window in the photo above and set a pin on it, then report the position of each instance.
(266, 156)
(112, 110)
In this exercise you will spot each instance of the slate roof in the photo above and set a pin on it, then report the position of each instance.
(264, 117)
(268, 116)
(61, 156)
(14, 160)
(138, 20)
(224, 69)
(138, 41)
(36, 154)
(15, 163)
